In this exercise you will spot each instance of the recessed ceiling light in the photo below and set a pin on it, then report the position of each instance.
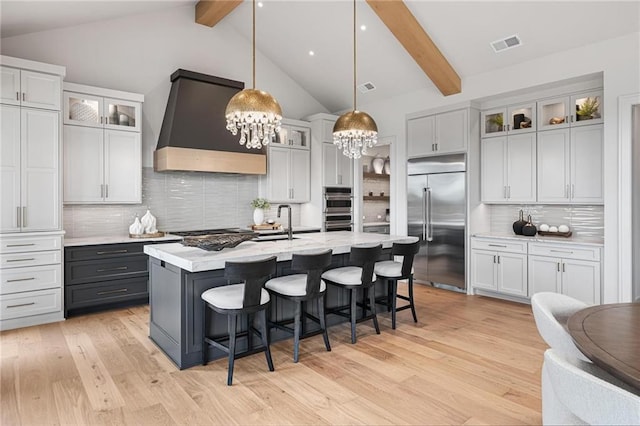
(311, 53)
(363, 27)
(260, 4)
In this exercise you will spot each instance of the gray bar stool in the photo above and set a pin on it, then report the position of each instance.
(353, 278)
(300, 288)
(247, 298)
(392, 271)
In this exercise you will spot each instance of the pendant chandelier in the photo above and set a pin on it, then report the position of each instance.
(255, 113)
(355, 131)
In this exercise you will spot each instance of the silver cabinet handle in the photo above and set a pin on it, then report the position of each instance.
(21, 279)
(24, 217)
(20, 245)
(119, 268)
(558, 266)
(566, 191)
(101, 191)
(566, 118)
(21, 305)
(18, 217)
(498, 259)
(121, 290)
(563, 270)
(112, 252)
(20, 260)
(24, 97)
(504, 191)
(424, 214)
(106, 191)
(561, 251)
(494, 258)
(573, 190)
(497, 245)
(508, 191)
(17, 96)
(572, 118)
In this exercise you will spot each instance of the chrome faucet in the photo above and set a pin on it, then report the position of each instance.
(290, 228)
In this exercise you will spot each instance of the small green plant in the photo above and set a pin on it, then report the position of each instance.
(497, 120)
(260, 203)
(589, 107)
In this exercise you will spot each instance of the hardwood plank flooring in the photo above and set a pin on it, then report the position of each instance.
(469, 360)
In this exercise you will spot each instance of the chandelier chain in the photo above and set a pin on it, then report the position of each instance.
(253, 51)
(354, 56)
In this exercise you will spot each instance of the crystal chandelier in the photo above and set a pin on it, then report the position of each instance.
(255, 113)
(355, 131)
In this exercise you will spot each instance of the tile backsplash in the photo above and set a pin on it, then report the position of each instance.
(179, 201)
(585, 221)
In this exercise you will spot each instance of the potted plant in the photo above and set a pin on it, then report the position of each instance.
(497, 121)
(259, 206)
(588, 109)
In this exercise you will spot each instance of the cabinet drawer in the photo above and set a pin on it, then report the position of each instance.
(565, 251)
(30, 303)
(19, 260)
(105, 292)
(28, 244)
(94, 270)
(32, 278)
(102, 251)
(499, 245)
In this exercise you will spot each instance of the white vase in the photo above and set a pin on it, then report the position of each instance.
(387, 166)
(258, 216)
(148, 221)
(377, 164)
(136, 227)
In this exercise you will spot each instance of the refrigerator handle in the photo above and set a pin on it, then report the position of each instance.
(429, 223)
(424, 214)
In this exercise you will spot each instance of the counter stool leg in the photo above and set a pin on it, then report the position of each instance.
(394, 301)
(232, 346)
(205, 345)
(372, 308)
(389, 295)
(354, 299)
(323, 322)
(264, 332)
(249, 333)
(296, 331)
(413, 308)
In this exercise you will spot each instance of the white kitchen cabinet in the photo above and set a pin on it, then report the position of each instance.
(568, 269)
(570, 168)
(30, 279)
(499, 266)
(338, 168)
(97, 107)
(508, 169)
(101, 166)
(438, 134)
(287, 178)
(30, 88)
(509, 120)
(29, 168)
(562, 112)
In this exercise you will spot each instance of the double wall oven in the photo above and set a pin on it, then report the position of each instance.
(337, 211)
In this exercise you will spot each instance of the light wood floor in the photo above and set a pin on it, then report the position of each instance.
(469, 360)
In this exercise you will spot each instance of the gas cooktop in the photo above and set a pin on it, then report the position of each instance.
(211, 232)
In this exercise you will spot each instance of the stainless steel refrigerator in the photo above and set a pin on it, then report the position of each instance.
(436, 214)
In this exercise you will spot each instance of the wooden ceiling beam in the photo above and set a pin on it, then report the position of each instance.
(210, 12)
(405, 27)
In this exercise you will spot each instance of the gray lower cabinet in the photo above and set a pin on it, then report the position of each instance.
(105, 276)
(177, 316)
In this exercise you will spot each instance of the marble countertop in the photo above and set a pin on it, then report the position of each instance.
(195, 260)
(539, 239)
(115, 239)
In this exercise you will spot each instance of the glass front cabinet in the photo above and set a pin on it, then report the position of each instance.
(569, 111)
(95, 111)
(509, 120)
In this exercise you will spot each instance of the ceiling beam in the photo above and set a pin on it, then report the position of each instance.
(210, 12)
(404, 26)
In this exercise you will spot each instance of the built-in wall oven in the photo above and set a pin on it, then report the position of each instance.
(338, 209)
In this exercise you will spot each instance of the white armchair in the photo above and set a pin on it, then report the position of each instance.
(551, 312)
(578, 392)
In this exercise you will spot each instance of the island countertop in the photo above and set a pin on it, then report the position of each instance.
(193, 259)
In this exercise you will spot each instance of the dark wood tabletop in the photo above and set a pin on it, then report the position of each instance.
(609, 335)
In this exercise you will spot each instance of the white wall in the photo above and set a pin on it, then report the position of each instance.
(635, 226)
(138, 54)
(619, 61)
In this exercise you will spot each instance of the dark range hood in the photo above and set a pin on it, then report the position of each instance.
(194, 137)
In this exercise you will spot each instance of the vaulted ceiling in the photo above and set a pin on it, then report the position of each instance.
(288, 30)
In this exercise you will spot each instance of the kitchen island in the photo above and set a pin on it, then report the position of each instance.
(178, 275)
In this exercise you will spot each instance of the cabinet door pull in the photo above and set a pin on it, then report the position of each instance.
(497, 245)
(121, 290)
(119, 268)
(106, 191)
(572, 118)
(573, 190)
(504, 191)
(566, 118)
(24, 217)
(558, 264)
(561, 251)
(17, 96)
(508, 191)
(112, 251)
(436, 146)
(21, 279)
(18, 217)
(566, 191)
(494, 258)
(101, 191)
(20, 260)
(24, 97)
(498, 259)
(563, 270)
(21, 305)
(20, 245)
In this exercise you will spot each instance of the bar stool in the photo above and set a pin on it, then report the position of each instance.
(357, 276)
(247, 298)
(300, 288)
(392, 271)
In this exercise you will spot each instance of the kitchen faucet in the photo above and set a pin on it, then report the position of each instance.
(290, 228)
